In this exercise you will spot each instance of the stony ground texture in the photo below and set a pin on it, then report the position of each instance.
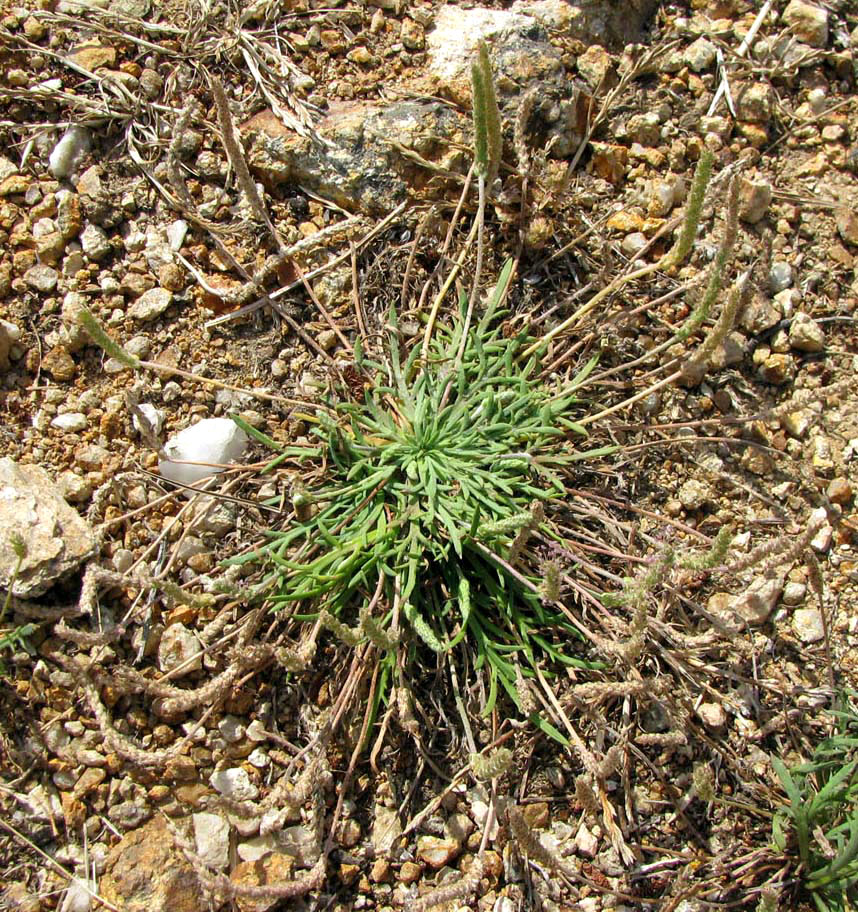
(138, 743)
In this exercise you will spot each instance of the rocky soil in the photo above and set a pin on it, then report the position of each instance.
(139, 745)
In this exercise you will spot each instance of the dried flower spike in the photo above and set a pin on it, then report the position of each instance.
(490, 766)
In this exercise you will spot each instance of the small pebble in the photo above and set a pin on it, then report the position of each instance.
(231, 729)
(794, 594)
(234, 783)
(712, 715)
(42, 278)
(840, 491)
(805, 334)
(780, 276)
(70, 421)
(633, 243)
(808, 626)
(95, 243)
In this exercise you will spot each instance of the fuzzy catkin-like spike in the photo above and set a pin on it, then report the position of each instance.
(637, 589)
(524, 689)
(118, 743)
(550, 588)
(658, 570)
(693, 211)
(522, 116)
(298, 658)
(481, 145)
(221, 888)
(237, 160)
(493, 124)
(719, 264)
(382, 639)
(703, 782)
(422, 628)
(340, 630)
(586, 796)
(461, 889)
(657, 739)
(19, 546)
(615, 599)
(537, 515)
(810, 397)
(736, 300)
(175, 592)
(714, 557)
(404, 711)
(610, 762)
(768, 900)
(504, 526)
(530, 844)
(236, 156)
(595, 691)
(777, 551)
(490, 766)
(96, 332)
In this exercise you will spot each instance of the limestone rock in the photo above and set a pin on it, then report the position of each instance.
(594, 65)
(794, 594)
(59, 364)
(614, 23)
(808, 22)
(522, 58)
(96, 200)
(301, 843)
(178, 646)
(777, 369)
(808, 626)
(436, 852)
(758, 601)
(211, 834)
(128, 815)
(755, 197)
(754, 103)
(198, 451)
(150, 305)
(7, 168)
(234, 783)
(386, 829)
(70, 151)
(42, 278)
(645, 128)
(259, 847)
(357, 164)
(805, 334)
(95, 243)
(273, 869)
(700, 55)
(93, 56)
(56, 540)
(586, 842)
(5, 344)
(145, 872)
(847, 225)
(712, 715)
(693, 495)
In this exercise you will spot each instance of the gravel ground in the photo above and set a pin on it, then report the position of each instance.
(148, 733)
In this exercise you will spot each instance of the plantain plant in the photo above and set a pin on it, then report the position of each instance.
(435, 482)
(428, 531)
